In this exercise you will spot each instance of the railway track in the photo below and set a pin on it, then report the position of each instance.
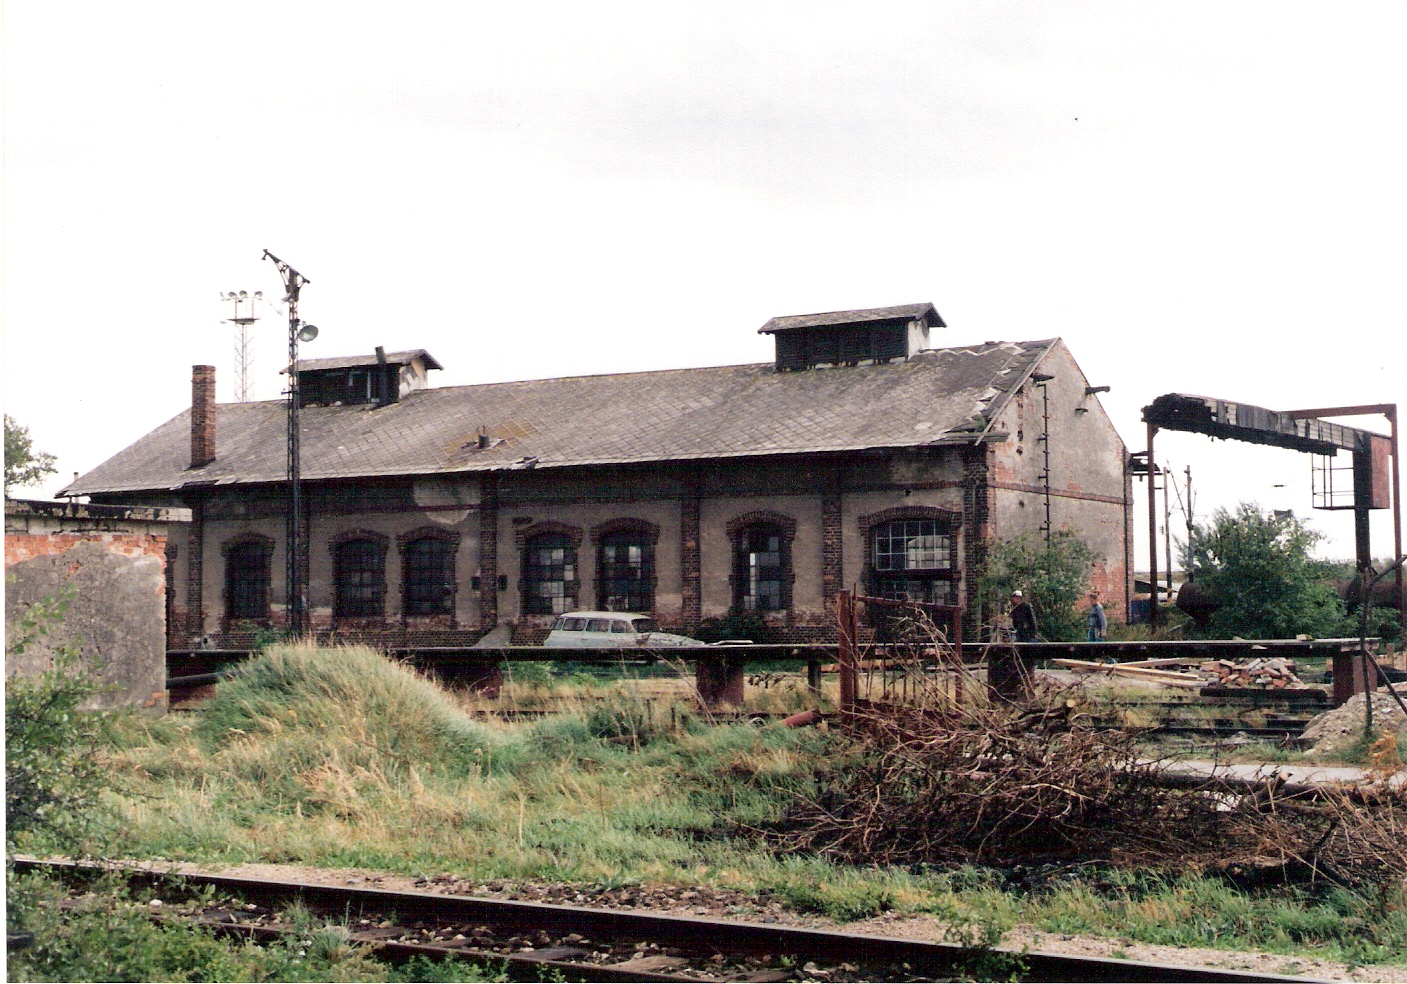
(536, 941)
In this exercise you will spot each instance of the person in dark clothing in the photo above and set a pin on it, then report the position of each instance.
(1023, 618)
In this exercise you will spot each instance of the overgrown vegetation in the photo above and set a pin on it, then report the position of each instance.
(54, 772)
(342, 758)
(737, 624)
(62, 795)
(1258, 567)
(108, 934)
(1053, 576)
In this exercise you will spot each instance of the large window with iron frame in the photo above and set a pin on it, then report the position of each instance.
(761, 568)
(359, 573)
(913, 560)
(427, 568)
(625, 563)
(549, 574)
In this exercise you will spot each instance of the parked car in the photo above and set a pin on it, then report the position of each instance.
(612, 630)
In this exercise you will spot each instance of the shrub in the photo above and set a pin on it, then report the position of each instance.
(737, 624)
(1258, 568)
(1052, 575)
(54, 776)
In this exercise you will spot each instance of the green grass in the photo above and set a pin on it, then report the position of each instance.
(1329, 922)
(109, 935)
(341, 758)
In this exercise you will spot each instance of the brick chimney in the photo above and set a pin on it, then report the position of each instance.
(202, 415)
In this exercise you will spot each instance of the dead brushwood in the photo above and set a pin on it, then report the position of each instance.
(950, 776)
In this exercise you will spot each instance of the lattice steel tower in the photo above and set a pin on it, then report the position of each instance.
(246, 312)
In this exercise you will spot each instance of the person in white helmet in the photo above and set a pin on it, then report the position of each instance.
(1023, 618)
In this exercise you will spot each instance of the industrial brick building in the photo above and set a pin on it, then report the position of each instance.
(860, 457)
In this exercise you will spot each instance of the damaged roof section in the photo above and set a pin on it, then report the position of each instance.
(939, 396)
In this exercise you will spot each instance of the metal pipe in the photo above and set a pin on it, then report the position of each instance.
(1391, 414)
(849, 670)
(1152, 533)
(1167, 527)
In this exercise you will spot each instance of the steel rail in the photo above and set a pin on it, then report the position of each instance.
(718, 935)
(518, 966)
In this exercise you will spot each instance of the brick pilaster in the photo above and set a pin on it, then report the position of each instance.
(977, 532)
(832, 555)
(690, 558)
(195, 572)
(488, 553)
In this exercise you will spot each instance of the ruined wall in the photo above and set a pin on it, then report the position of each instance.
(110, 562)
(1087, 480)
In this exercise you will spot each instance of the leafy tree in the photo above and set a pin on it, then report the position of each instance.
(1258, 567)
(1052, 576)
(23, 464)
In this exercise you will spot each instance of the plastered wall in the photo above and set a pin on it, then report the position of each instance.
(108, 562)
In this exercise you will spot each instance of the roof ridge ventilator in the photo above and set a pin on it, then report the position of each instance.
(851, 338)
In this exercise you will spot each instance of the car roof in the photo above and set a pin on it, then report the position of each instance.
(602, 615)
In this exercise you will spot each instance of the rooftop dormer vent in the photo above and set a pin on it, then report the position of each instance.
(378, 379)
(847, 338)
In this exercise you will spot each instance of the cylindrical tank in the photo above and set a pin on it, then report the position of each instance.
(1197, 602)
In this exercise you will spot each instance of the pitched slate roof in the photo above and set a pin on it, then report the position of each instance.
(939, 396)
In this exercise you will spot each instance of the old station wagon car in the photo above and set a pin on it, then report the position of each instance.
(611, 630)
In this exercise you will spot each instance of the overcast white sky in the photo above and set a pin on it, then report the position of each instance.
(1198, 197)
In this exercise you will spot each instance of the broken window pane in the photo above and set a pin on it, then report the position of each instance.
(549, 573)
(912, 560)
(759, 569)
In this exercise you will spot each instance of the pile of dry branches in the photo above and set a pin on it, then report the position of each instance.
(939, 779)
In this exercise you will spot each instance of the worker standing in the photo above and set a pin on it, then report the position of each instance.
(1098, 624)
(1023, 618)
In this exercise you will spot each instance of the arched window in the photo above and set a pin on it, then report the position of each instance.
(427, 573)
(247, 563)
(762, 573)
(625, 570)
(913, 559)
(359, 571)
(549, 573)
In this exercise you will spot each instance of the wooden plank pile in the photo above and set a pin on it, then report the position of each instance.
(1267, 674)
(1148, 670)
